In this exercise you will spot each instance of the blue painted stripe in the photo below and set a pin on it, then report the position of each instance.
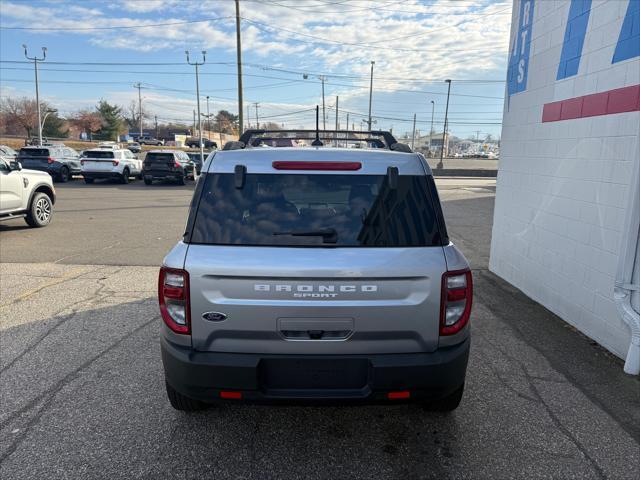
(574, 38)
(629, 41)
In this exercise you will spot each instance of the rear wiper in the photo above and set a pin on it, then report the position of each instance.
(329, 235)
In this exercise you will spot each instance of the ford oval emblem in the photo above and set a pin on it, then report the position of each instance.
(214, 316)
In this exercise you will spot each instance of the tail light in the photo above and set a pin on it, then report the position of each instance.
(81, 162)
(50, 160)
(116, 163)
(177, 165)
(455, 303)
(296, 165)
(173, 294)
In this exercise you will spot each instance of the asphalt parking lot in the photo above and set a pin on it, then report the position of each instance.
(82, 392)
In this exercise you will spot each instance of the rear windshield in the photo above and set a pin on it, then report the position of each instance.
(98, 154)
(34, 152)
(159, 157)
(316, 210)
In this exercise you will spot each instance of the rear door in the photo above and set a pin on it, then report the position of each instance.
(11, 187)
(315, 264)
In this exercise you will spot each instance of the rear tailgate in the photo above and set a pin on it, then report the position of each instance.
(98, 162)
(34, 158)
(310, 301)
(159, 162)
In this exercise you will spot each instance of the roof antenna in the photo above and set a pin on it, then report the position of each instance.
(317, 142)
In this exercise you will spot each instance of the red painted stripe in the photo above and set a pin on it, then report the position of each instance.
(620, 100)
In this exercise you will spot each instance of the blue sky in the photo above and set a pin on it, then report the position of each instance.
(415, 44)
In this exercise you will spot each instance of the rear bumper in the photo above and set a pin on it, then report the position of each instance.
(202, 375)
(101, 175)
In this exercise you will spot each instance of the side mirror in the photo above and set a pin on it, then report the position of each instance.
(15, 165)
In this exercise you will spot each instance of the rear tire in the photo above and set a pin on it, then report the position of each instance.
(182, 403)
(64, 176)
(89, 180)
(40, 211)
(148, 181)
(125, 176)
(446, 404)
(182, 179)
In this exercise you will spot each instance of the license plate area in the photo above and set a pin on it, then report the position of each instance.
(314, 377)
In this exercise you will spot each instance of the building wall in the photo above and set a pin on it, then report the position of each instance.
(569, 142)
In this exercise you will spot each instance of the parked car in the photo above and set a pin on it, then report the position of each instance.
(194, 142)
(149, 140)
(167, 165)
(8, 152)
(315, 274)
(195, 158)
(134, 147)
(110, 163)
(57, 160)
(27, 194)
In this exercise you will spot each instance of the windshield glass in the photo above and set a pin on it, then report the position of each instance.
(98, 154)
(34, 152)
(159, 157)
(316, 210)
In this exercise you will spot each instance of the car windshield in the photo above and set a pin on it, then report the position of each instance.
(34, 152)
(316, 210)
(159, 157)
(98, 154)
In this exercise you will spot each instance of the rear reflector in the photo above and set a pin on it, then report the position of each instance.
(317, 165)
(399, 395)
(231, 395)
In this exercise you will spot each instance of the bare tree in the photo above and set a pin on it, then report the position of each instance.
(20, 115)
(88, 121)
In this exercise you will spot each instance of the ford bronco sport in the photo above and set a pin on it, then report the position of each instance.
(315, 274)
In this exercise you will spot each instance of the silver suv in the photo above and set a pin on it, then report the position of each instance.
(315, 274)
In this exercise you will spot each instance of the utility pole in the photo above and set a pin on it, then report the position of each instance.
(139, 86)
(248, 117)
(433, 108)
(324, 115)
(239, 62)
(208, 120)
(35, 61)
(197, 65)
(444, 134)
(257, 118)
(370, 93)
(193, 132)
(347, 136)
(477, 136)
(336, 134)
(413, 135)
(156, 120)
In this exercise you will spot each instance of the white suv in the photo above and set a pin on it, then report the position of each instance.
(27, 194)
(110, 161)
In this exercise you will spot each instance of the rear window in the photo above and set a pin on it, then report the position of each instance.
(34, 152)
(159, 157)
(98, 154)
(316, 210)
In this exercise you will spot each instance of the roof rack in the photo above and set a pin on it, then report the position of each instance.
(261, 137)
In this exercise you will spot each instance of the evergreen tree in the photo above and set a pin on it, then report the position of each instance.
(112, 122)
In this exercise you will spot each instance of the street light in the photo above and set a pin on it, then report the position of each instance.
(46, 114)
(35, 65)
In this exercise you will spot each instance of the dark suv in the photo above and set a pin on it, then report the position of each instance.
(195, 143)
(167, 165)
(57, 160)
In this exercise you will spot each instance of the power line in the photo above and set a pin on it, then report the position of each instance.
(120, 27)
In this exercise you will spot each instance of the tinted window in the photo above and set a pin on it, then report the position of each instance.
(159, 157)
(98, 154)
(316, 210)
(34, 152)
